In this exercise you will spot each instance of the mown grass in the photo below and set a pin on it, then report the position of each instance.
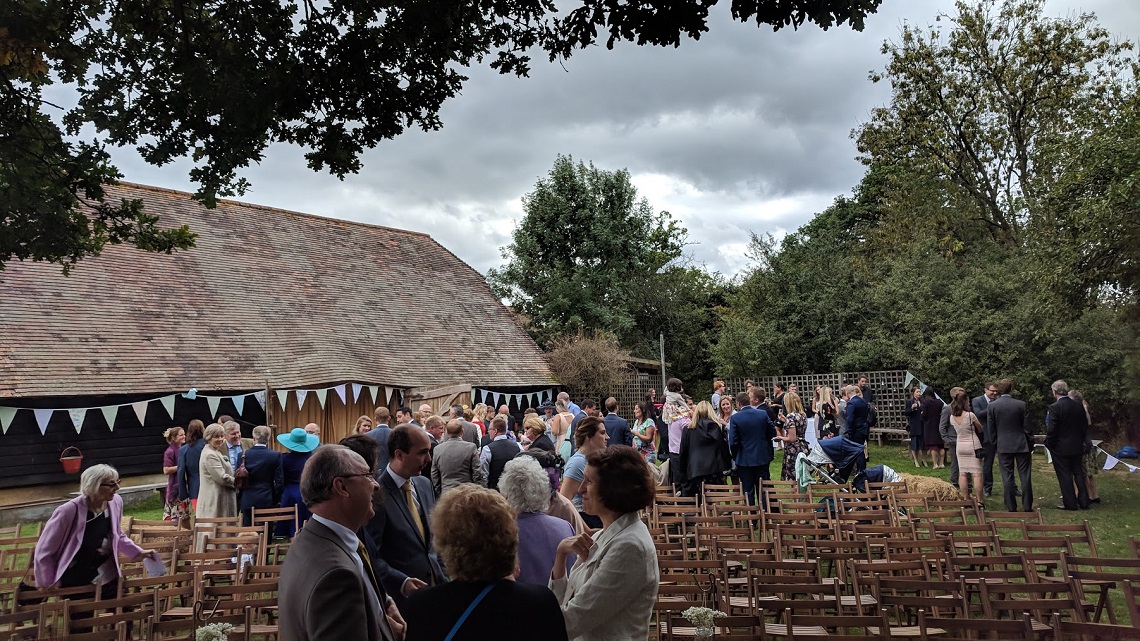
(1113, 520)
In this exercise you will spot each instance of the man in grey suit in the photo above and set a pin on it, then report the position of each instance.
(1007, 420)
(327, 588)
(401, 527)
(470, 430)
(1067, 429)
(980, 406)
(455, 461)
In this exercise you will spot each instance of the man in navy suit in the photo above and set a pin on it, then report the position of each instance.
(616, 426)
(858, 413)
(750, 434)
(381, 430)
(407, 560)
(981, 408)
(1067, 430)
(266, 478)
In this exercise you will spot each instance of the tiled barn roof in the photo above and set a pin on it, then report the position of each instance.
(266, 296)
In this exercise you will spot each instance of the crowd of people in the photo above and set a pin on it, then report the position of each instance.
(969, 435)
(433, 527)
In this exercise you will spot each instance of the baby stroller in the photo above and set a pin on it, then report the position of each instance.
(832, 460)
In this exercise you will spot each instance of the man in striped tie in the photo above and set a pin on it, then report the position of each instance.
(328, 589)
(407, 561)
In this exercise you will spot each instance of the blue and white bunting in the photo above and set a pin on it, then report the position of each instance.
(6, 416)
(110, 413)
(340, 392)
(42, 418)
(239, 403)
(213, 402)
(322, 394)
(77, 415)
(168, 404)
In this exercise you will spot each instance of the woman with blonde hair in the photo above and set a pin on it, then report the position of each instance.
(791, 434)
(826, 411)
(363, 425)
(535, 432)
(560, 423)
(479, 417)
(482, 600)
(217, 496)
(704, 450)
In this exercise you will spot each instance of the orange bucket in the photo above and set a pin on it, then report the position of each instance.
(71, 464)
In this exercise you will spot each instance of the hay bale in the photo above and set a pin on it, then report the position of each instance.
(938, 489)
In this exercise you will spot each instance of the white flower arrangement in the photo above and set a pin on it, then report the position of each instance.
(213, 632)
(703, 617)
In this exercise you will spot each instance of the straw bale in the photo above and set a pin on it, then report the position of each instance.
(938, 489)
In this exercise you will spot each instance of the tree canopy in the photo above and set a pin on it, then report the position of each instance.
(221, 81)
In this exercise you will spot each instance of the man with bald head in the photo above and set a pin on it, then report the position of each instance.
(314, 429)
(470, 430)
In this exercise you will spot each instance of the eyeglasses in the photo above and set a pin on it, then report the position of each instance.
(368, 475)
(111, 484)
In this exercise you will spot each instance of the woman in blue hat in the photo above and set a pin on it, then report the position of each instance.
(300, 445)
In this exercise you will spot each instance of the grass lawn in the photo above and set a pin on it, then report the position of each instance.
(1113, 520)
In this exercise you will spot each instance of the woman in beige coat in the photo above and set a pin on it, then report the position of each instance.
(216, 496)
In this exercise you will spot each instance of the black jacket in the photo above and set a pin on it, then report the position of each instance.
(1068, 427)
(704, 449)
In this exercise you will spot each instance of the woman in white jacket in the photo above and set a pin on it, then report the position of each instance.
(609, 594)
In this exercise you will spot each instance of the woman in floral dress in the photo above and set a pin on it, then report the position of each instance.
(792, 434)
(644, 432)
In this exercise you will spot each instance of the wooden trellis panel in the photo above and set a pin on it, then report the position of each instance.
(890, 396)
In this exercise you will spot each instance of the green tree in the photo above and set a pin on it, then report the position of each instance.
(221, 81)
(981, 109)
(584, 244)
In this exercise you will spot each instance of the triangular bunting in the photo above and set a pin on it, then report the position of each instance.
(282, 398)
(373, 390)
(496, 396)
(341, 391)
(6, 416)
(140, 410)
(77, 415)
(42, 418)
(322, 394)
(388, 391)
(356, 389)
(213, 402)
(110, 413)
(1111, 462)
(909, 378)
(301, 395)
(239, 403)
(168, 403)
(259, 396)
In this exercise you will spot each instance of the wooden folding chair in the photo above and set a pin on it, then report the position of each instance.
(1039, 600)
(963, 629)
(106, 615)
(1079, 534)
(1078, 631)
(1102, 576)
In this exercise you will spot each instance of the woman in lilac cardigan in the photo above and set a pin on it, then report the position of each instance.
(82, 540)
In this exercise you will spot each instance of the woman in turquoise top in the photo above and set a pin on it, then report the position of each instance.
(644, 432)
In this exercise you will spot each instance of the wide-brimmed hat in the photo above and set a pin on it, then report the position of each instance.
(298, 440)
(546, 406)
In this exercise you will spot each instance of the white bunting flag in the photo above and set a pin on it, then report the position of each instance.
(239, 403)
(77, 415)
(322, 394)
(213, 402)
(259, 396)
(373, 390)
(110, 413)
(518, 400)
(356, 389)
(168, 403)
(6, 416)
(140, 410)
(1110, 462)
(282, 398)
(496, 396)
(388, 391)
(42, 418)
(909, 378)
(341, 391)
(301, 395)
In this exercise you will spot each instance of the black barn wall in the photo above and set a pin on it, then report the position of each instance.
(29, 458)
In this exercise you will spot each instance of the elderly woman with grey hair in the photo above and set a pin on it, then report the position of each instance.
(217, 496)
(526, 486)
(82, 541)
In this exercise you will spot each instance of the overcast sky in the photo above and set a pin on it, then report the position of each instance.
(744, 131)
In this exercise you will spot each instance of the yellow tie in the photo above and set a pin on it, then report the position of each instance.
(414, 509)
(364, 558)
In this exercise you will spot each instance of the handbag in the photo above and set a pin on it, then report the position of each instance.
(241, 475)
(979, 452)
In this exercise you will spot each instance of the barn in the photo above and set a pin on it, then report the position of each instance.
(275, 317)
